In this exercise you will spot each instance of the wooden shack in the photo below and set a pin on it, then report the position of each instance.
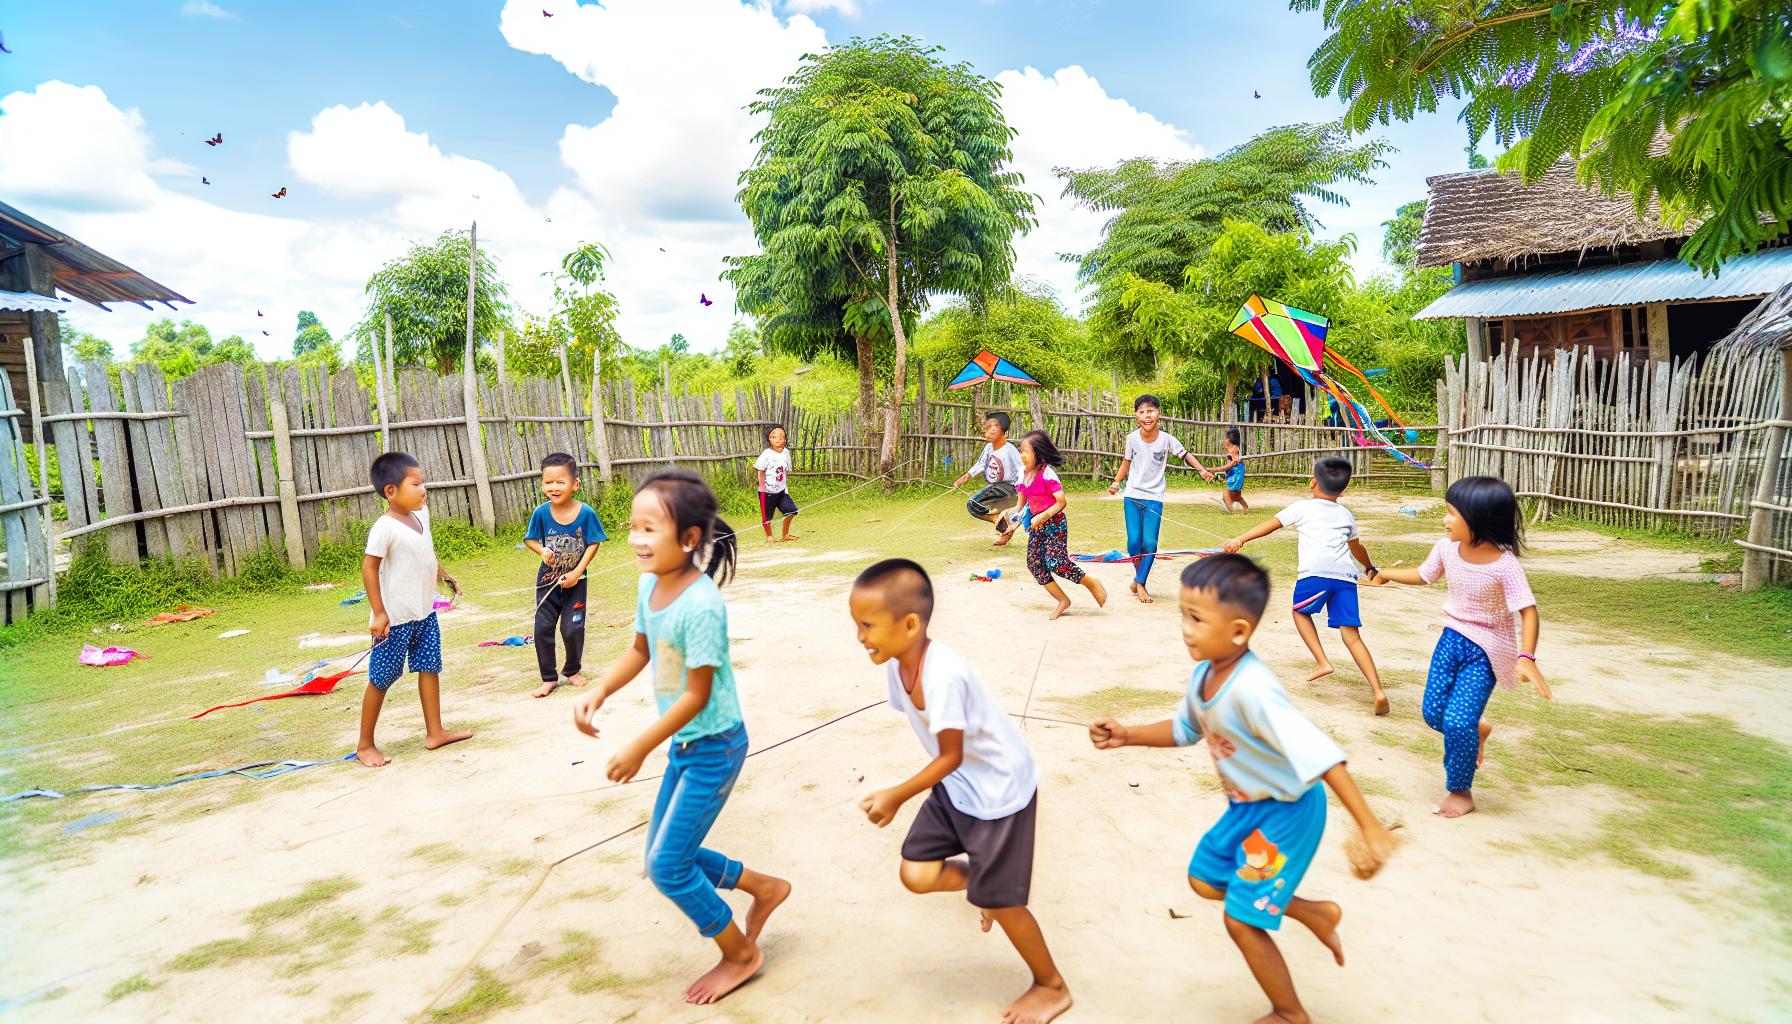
(1552, 265)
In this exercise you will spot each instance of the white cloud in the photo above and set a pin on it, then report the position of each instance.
(85, 153)
(1069, 120)
(847, 8)
(202, 9)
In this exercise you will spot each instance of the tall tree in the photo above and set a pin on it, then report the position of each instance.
(1165, 215)
(1400, 245)
(313, 344)
(1682, 103)
(425, 292)
(887, 166)
(181, 350)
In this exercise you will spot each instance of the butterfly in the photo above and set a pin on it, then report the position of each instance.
(215, 140)
(3, 48)
(203, 180)
(264, 334)
(281, 194)
(546, 14)
(258, 312)
(704, 299)
(662, 248)
(1256, 95)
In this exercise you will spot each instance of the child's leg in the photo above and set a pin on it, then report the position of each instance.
(1151, 521)
(426, 661)
(788, 505)
(1048, 996)
(1460, 722)
(1270, 970)
(365, 751)
(384, 665)
(1039, 564)
(765, 515)
(1057, 553)
(1359, 652)
(549, 599)
(1131, 512)
(1303, 624)
(572, 631)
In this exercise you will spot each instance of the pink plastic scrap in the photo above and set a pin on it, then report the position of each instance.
(102, 657)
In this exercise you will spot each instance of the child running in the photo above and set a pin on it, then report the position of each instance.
(400, 572)
(773, 470)
(1329, 552)
(1234, 470)
(999, 462)
(1270, 759)
(681, 633)
(1149, 450)
(1048, 530)
(981, 784)
(565, 533)
(1479, 556)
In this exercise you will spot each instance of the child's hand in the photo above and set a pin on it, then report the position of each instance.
(1114, 488)
(547, 557)
(571, 579)
(584, 710)
(1231, 547)
(1368, 851)
(1107, 734)
(1375, 579)
(626, 764)
(880, 807)
(1530, 673)
(1207, 475)
(380, 626)
(452, 583)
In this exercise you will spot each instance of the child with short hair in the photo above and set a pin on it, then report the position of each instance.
(1234, 470)
(399, 573)
(974, 833)
(999, 462)
(685, 552)
(773, 470)
(565, 533)
(1478, 647)
(1149, 450)
(1270, 760)
(1329, 552)
(1048, 530)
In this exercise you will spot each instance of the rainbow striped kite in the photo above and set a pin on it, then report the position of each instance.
(1297, 338)
(987, 366)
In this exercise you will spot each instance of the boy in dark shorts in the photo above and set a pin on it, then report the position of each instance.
(999, 464)
(982, 784)
(565, 533)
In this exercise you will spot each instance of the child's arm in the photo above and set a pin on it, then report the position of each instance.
(1377, 843)
(1361, 554)
(880, 807)
(1120, 477)
(370, 582)
(535, 546)
(1410, 577)
(760, 474)
(443, 577)
(1195, 464)
(614, 678)
(572, 578)
(1108, 734)
(626, 763)
(1527, 666)
(1263, 529)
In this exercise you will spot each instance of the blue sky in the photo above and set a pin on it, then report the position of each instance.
(390, 122)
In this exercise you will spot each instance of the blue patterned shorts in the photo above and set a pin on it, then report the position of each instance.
(418, 641)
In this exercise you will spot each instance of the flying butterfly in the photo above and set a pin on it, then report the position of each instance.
(216, 140)
(203, 180)
(281, 194)
(3, 48)
(546, 14)
(704, 299)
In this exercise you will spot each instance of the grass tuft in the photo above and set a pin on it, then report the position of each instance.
(312, 896)
(487, 996)
(134, 983)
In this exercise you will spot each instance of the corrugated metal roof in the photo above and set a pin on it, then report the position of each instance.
(30, 302)
(1630, 284)
(82, 271)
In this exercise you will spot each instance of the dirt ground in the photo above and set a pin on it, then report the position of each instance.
(501, 878)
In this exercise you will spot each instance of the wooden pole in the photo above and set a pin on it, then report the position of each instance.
(1757, 566)
(482, 480)
(566, 381)
(391, 365)
(600, 434)
(379, 387)
(43, 471)
(503, 375)
(290, 525)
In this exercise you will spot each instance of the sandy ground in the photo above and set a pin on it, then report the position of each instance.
(513, 840)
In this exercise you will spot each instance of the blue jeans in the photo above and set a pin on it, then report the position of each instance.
(1143, 519)
(699, 776)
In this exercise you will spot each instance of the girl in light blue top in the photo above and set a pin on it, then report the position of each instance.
(685, 552)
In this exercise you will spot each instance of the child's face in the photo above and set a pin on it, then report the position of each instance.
(1147, 415)
(408, 495)
(654, 536)
(1028, 460)
(776, 439)
(558, 483)
(1211, 630)
(881, 633)
(1456, 527)
(993, 432)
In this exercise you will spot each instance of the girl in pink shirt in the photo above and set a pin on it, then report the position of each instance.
(1048, 534)
(1479, 647)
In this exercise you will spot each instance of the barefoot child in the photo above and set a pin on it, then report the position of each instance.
(981, 784)
(1270, 759)
(1048, 533)
(1329, 553)
(400, 573)
(1149, 450)
(773, 470)
(565, 533)
(681, 634)
(1234, 470)
(1479, 556)
(999, 462)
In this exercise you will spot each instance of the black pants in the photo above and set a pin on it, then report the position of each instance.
(565, 606)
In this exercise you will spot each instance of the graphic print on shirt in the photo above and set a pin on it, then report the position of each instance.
(1262, 861)
(566, 549)
(1220, 747)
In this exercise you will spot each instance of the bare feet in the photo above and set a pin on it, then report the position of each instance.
(1100, 592)
(1381, 704)
(1144, 595)
(1063, 606)
(371, 757)
(1326, 928)
(763, 905)
(445, 737)
(790, 536)
(1325, 669)
(1002, 541)
(723, 978)
(984, 920)
(577, 679)
(1135, 586)
(1456, 805)
(1272, 1017)
(1037, 1005)
(1484, 729)
(547, 686)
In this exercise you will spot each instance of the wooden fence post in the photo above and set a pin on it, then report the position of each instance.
(290, 525)
(923, 419)
(379, 388)
(482, 480)
(1757, 565)
(43, 471)
(566, 380)
(391, 366)
(503, 376)
(600, 434)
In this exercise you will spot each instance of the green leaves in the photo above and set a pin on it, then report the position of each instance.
(425, 293)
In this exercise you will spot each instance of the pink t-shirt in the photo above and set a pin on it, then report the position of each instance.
(1040, 489)
(1482, 602)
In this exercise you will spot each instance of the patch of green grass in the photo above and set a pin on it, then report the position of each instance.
(340, 1005)
(487, 996)
(439, 853)
(1564, 522)
(134, 983)
(337, 926)
(411, 935)
(515, 866)
(1702, 616)
(581, 959)
(313, 895)
(257, 945)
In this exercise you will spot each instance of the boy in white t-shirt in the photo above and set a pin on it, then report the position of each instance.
(999, 463)
(1149, 450)
(773, 470)
(400, 572)
(981, 783)
(1329, 552)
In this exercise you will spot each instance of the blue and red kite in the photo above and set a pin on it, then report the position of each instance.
(988, 366)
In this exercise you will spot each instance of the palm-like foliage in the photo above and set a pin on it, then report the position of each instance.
(1682, 103)
(425, 293)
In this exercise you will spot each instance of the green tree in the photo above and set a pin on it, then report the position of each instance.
(1165, 215)
(425, 293)
(1682, 103)
(679, 345)
(585, 314)
(313, 344)
(1400, 245)
(886, 166)
(743, 349)
(181, 350)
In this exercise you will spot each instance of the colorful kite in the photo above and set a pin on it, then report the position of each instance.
(310, 688)
(1297, 338)
(988, 366)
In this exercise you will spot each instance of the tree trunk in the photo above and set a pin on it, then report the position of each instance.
(867, 400)
(899, 379)
(1232, 393)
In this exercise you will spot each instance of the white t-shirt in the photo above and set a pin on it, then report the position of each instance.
(776, 467)
(999, 464)
(1264, 748)
(407, 568)
(998, 777)
(1326, 529)
(1145, 477)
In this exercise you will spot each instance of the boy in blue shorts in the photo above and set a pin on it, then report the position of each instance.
(1329, 552)
(1270, 759)
(400, 573)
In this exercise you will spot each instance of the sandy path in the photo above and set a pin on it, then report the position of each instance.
(1457, 928)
